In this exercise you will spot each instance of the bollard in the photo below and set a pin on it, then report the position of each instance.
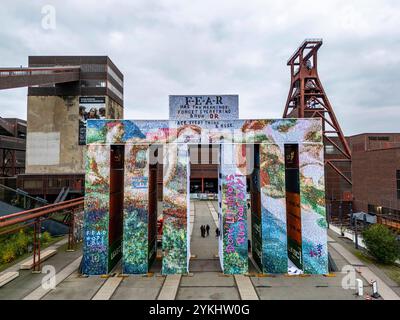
(375, 293)
(360, 287)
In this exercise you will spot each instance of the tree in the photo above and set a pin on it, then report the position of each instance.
(381, 243)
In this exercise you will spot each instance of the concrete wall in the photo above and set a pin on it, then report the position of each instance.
(52, 134)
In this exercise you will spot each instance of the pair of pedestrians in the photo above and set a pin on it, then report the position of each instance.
(205, 230)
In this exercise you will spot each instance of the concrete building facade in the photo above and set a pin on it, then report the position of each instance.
(55, 121)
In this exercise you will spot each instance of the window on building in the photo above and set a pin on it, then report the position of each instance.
(329, 149)
(93, 68)
(115, 76)
(93, 83)
(379, 138)
(398, 183)
(113, 89)
(58, 183)
(33, 184)
(372, 209)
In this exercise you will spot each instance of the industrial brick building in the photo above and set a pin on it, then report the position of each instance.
(376, 172)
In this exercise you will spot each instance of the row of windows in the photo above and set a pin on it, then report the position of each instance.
(53, 183)
(115, 90)
(93, 83)
(379, 138)
(115, 76)
(93, 68)
(101, 84)
(398, 183)
(382, 210)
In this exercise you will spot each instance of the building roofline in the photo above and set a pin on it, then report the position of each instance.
(373, 133)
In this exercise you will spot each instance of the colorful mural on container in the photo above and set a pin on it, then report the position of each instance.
(176, 135)
(273, 208)
(313, 213)
(136, 210)
(97, 204)
(234, 209)
(175, 210)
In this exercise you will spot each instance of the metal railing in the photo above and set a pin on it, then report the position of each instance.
(15, 222)
(391, 221)
(13, 72)
(19, 198)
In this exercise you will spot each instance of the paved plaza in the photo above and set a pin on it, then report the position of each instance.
(205, 281)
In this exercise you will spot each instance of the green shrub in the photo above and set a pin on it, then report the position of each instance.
(46, 237)
(381, 243)
(14, 245)
(21, 241)
(8, 253)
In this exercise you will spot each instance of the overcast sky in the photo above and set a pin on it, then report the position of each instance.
(220, 47)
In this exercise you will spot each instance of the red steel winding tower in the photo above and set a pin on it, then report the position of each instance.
(307, 99)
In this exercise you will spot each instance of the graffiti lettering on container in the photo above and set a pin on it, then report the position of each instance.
(139, 182)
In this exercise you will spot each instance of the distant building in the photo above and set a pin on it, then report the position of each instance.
(12, 147)
(376, 172)
(56, 120)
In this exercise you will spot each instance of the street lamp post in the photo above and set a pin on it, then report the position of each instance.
(356, 234)
(355, 226)
(341, 218)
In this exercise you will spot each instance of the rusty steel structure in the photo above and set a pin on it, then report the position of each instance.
(12, 147)
(307, 99)
(12, 223)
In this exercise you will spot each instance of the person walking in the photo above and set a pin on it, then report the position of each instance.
(217, 232)
(208, 230)
(203, 231)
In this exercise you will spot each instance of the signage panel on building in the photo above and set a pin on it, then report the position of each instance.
(90, 108)
(215, 107)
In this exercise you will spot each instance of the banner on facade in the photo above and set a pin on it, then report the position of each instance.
(218, 107)
(90, 108)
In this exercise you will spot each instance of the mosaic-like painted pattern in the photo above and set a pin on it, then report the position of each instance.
(176, 135)
(203, 131)
(175, 210)
(273, 208)
(313, 215)
(136, 213)
(234, 210)
(96, 218)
